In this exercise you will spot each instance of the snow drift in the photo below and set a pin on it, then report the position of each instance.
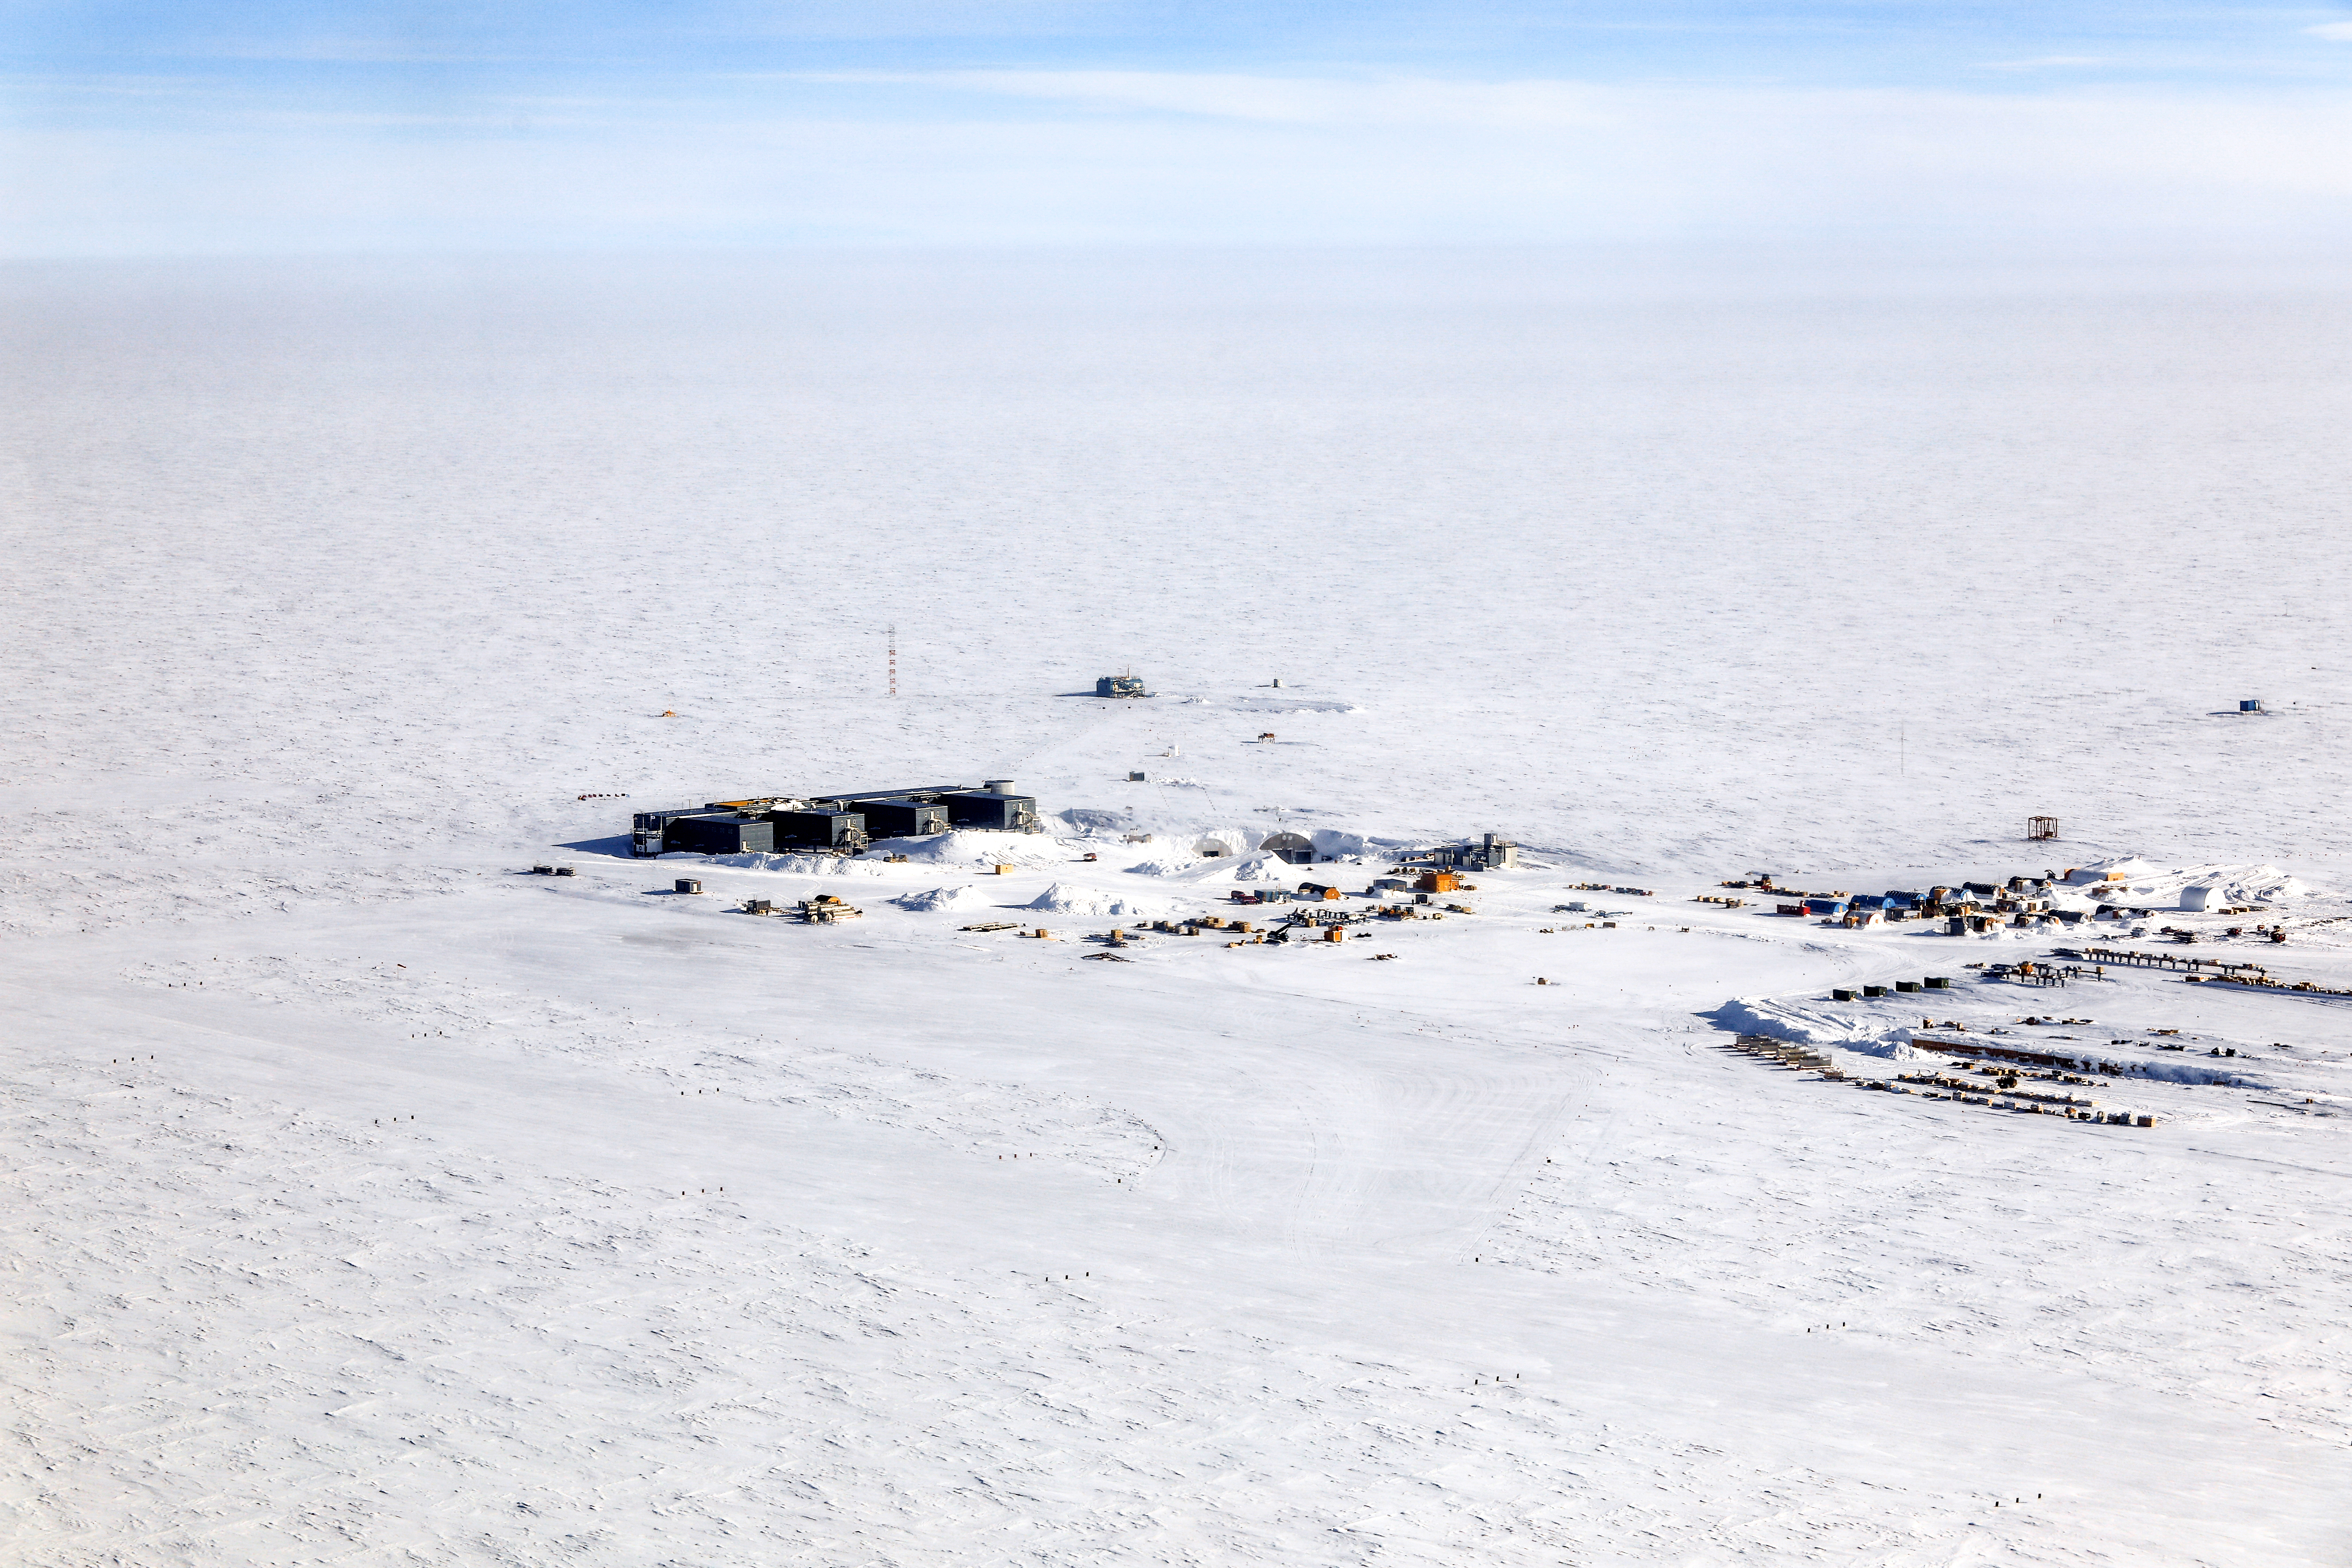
(963, 898)
(2144, 882)
(1803, 1025)
(796, 865)
(1064, 900)
(970, 846)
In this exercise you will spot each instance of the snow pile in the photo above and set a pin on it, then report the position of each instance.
(797, 865)
(2144, 882)
(1069, 901)
(1803, 1026)
(963, 898)
(1289, 705)
(1218, 868)
(969, 846)
(2259, 884)
(1164, 866)
(1090, 820)
(2121, 868)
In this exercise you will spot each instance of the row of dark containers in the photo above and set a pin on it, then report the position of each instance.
(1937, 900)
(834, 823)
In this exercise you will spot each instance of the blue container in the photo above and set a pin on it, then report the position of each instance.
(1825, 906)
(2249, 705)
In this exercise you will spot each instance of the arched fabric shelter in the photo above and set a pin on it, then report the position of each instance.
(1293, 848)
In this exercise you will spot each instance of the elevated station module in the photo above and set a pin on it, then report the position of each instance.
(839, 824)
(1490, 852)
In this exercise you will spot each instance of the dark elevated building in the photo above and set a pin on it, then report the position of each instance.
(904, 818)
(718, 833)
(821, 828)
(992, 807)
(840, 824)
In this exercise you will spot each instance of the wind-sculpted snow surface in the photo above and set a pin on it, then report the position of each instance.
(666, 1056)
(1933, 1236)
(739, 1390)
(371, 1198)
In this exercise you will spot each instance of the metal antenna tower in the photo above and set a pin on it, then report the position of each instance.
(894, 661)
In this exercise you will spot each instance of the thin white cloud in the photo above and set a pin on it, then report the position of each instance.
(1144, 157)
(2052, 62)
(2339, 32)
(349, 51)
(1291, 101)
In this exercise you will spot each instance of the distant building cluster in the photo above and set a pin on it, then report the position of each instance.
(839, 824)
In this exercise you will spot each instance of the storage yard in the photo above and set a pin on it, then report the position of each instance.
(1855, 1035)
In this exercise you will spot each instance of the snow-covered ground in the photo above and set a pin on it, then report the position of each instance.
(374, 1200)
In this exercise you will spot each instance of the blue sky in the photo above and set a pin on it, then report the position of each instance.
(150, 128)
(427, 48)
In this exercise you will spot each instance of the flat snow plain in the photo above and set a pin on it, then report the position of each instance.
(375, 1201)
